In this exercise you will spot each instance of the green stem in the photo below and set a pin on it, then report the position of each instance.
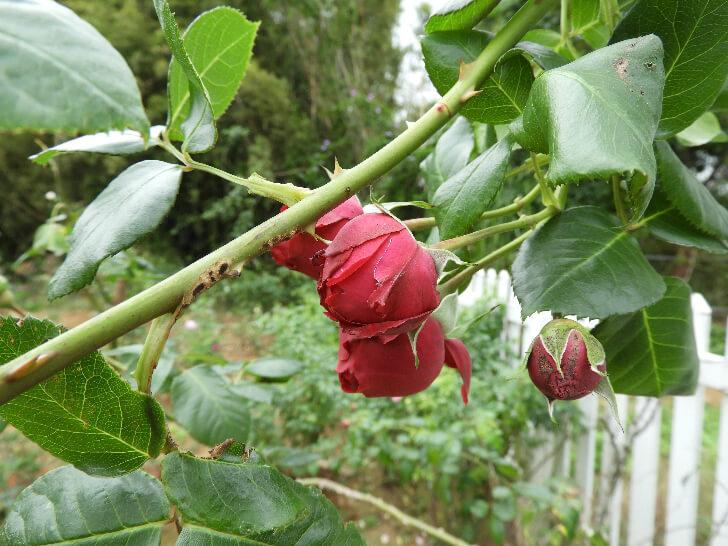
(564, 21)
(28, 370)
(151, 351)
(618, 201)
(464, 276)
(405, 519)
(547, 194)
(474, 237)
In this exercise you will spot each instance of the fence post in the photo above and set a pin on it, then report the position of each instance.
(720, 494)
(610, 493)
(586, 455)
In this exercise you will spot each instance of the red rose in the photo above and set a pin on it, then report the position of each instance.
(302, 252)
(377, 280)
(375, 368)
(574, 376)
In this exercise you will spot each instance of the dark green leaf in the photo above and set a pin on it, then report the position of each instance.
(224, 503)
(253, 391)
(666, 223)
(199, 127)
(689, 196)
(694, 34)
(451, 154)
(111, 142)
(703, 130)
(131, 206)
(461, 200)
(66, 506)
(536, 53)
(586, 21)
(205, 405)
(721, 102)
(219, 44)
(502, 96)
(86, 414)
(597, 117)
(652, 352)
(57, 73)
(274, 368)
(459, 14)
(582, 263)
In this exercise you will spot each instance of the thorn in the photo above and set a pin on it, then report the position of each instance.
(409, 124)
(30, 365)
(328, 173)
(464, 69)
(470, 94)
(337, 168)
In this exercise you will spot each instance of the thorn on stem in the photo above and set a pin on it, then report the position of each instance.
(469, 95)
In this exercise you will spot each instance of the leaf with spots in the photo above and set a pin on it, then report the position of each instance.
(67, 506)
(227, 503)
(583, 263)
(597, 116)
(694, 34)
(502, 96)
(652, 352)
(86, 414)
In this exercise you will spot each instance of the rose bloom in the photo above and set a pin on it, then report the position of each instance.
(377, 368)
(575, 378)
(303, 252)
(377, 280)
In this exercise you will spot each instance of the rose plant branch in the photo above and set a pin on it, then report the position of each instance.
(48, 358)
(436, 532)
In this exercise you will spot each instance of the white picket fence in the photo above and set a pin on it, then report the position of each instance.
(631, 498)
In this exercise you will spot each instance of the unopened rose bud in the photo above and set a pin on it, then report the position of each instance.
(565, 361)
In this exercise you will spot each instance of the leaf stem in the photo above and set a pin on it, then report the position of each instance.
(464, 276)
(405, 519)
(151, 351)
(475, 236)
(165, 296)
(547, 194)
(618, 200)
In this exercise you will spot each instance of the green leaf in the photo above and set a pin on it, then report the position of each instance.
(274, 368)
(111, 142)
(57, 73)
(587, 22)
(85, 414)
(451, 154)
(207, 408)
(693, 33)
(652, 352)
(223, 503)
(461, 200)
(582, 263)
(597, 116)
(66, 506)
(502, 96)
(536, 53)
(721, 102)
(666, 223)
(253, 391)
(199, 127)
(131, 206)
(219, 44)
(3, 425)
(703, 130)
(689, 196)
(459, 14)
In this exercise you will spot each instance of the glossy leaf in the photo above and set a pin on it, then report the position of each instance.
(459, 14)
(274, 368)
(703, 130)
(666, 223)
(451, 154)
(721, 101)
(587, 22)
(199, 127)
(66, 506)
(131, 206)
(582, 263)
(597, 116)
(224, 503)
(111, 142)
(693, 33)
(219, 44)
(461, 200)
(689, 196)
(86, 414)
(57, 73)
(652, 352)
(207, 408)
(502, 96)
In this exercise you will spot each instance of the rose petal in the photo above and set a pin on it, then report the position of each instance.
(457, 356)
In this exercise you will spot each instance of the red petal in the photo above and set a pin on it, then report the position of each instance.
(457, 356)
